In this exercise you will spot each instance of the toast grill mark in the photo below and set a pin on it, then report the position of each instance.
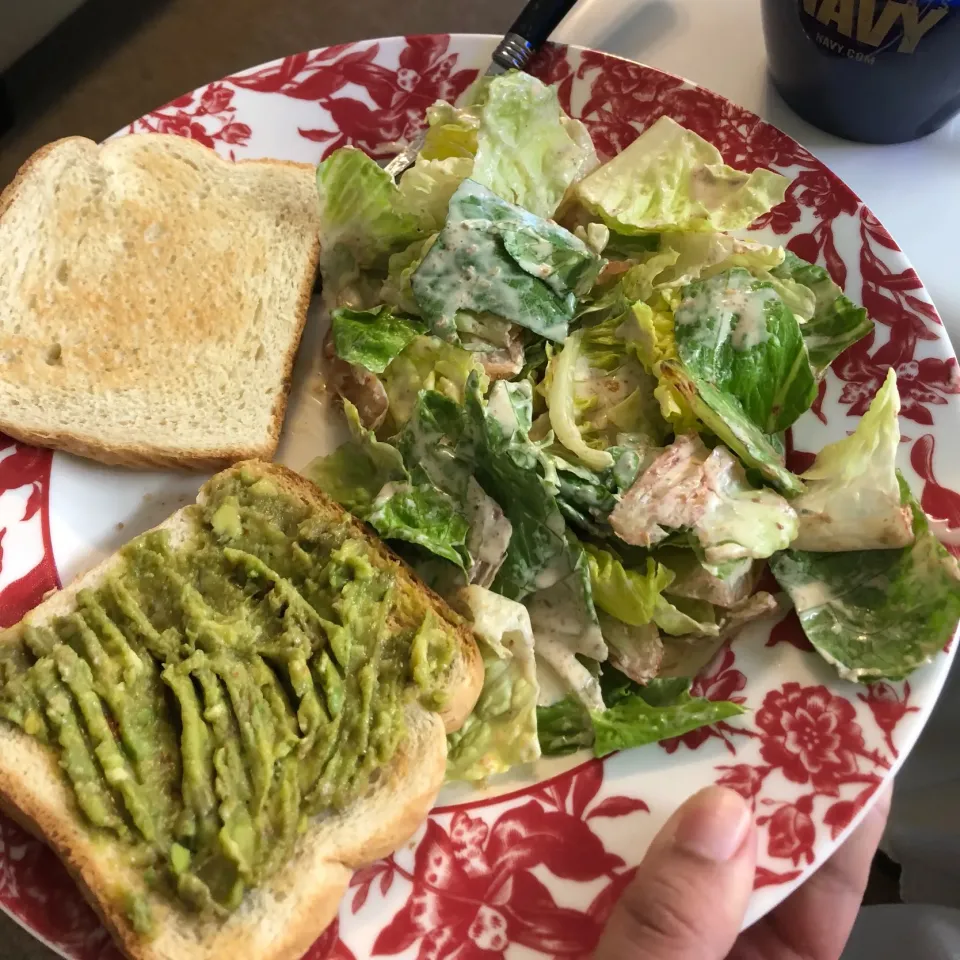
(213, 693)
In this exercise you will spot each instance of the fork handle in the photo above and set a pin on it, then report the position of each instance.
(537, 20)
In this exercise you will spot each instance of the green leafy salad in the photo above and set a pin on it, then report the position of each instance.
(567, 386)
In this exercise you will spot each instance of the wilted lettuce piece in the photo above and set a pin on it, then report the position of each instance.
(703, 255)
(735, 332)
(635, 715)
(528, 150)
(723, 416)
(357, 470)
(628, 595)
(876, 614)
(362, 218)
(501, 732)
(422, 515)
(671, 179)
(371, 338)
(852, 500)
(495, 257)
(428, 363)
(835, 322)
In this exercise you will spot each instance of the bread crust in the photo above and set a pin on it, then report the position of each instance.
(153, 455)
(280, 919)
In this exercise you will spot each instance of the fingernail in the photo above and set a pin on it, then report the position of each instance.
(713, 824)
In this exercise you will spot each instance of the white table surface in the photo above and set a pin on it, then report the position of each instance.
(913, 188)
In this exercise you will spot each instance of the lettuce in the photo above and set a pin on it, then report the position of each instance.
(876, 614)
(722, 414)
(628, 595)
(684, 617)
(501, 732)
(422, 515)
(371, 338)
(357, 470)
(428, 363)
(495, 257)
(397, 290)
(833, 323)
(506, 464)
(671, 179)
(634, 651)
(426, 188)
(362, 218)
(368, 478)
(735, 333)
(598, 396)
(852, 500)
(528, 151)
(635, 715)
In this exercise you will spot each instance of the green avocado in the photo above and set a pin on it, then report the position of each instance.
(215, 693)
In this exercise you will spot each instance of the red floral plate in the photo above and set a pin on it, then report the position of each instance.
(536, 862)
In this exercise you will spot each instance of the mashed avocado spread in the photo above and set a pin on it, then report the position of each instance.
(217, 691)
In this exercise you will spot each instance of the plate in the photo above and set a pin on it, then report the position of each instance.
(532, 865)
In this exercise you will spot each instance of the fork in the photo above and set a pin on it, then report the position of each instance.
(537, 20)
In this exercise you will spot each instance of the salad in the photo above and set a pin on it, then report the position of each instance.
(568, 385)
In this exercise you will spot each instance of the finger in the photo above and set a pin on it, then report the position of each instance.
(690, 894)
(815, 921)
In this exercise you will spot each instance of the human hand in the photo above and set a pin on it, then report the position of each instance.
(689, 897)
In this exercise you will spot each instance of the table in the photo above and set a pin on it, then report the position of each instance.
(914, 188)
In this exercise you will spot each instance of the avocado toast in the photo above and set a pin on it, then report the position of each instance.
(218, 724)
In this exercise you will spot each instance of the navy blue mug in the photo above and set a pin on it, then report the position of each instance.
(877, 71)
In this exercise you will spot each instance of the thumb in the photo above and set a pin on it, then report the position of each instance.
(690, 894)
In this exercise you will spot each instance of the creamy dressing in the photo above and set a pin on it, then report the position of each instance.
(810, 595)
(736, 313)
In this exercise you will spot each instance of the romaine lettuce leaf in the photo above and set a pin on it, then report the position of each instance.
(685, 617)
(635, 715)
(835, 322)
(368, 478)
(362, 218)
(396, 289)
(428, 363)
(702, 255)
(495, 257)
(723, 416)
(357, 470)
(528, 151)
(422, 515)
(501, 732)
(852, 500)
(671, 179)
(628, 595)
(636, 652)
(587, 497)
(599, 395)
(506, 464)
(735, 332)
(371, 338)
(426, 188)
(876, 614)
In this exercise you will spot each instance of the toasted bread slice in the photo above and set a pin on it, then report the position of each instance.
(280, 919)
(152, 297)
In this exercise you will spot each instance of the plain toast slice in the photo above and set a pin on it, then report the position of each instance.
(152, 298)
